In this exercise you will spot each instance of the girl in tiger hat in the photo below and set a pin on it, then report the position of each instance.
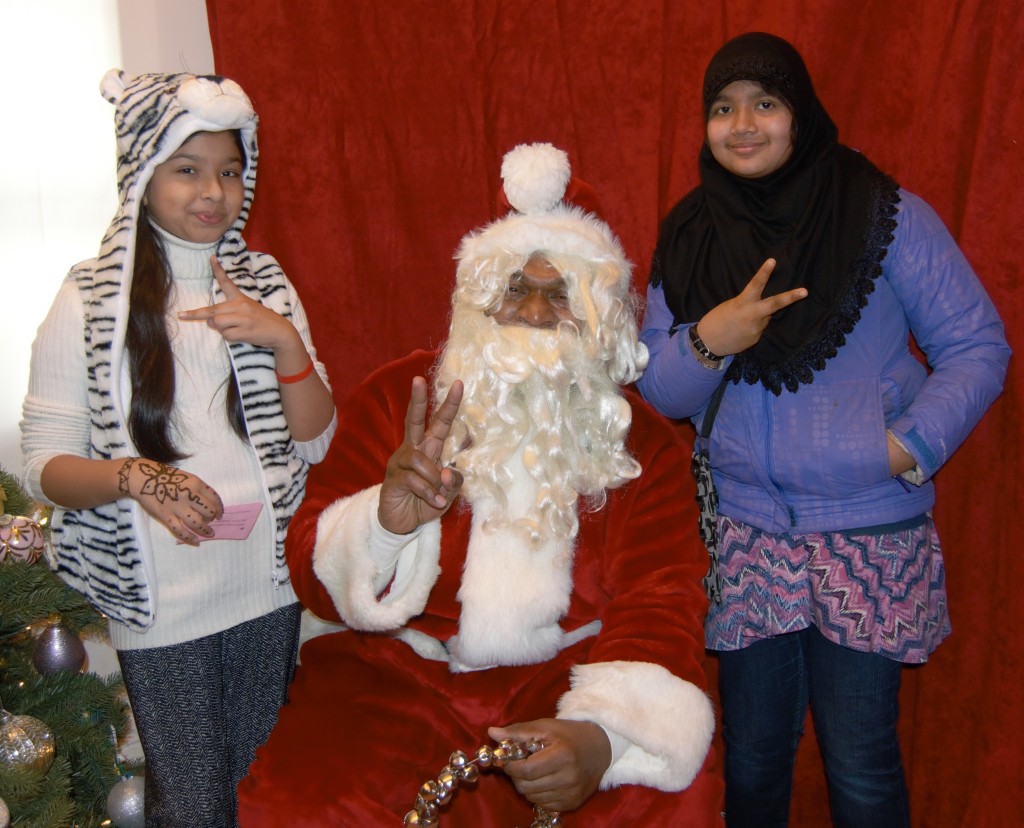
(175, 404)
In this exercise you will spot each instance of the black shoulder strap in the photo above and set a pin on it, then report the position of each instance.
(712, 411)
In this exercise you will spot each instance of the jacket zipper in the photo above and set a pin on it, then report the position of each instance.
(769, 425)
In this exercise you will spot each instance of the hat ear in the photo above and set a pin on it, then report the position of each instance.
(113, 85)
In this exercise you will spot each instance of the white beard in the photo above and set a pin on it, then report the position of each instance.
(543, 395)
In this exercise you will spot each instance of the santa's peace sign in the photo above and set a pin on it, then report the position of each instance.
(416, 488)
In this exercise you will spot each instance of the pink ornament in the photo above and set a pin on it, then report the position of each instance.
(21, 539)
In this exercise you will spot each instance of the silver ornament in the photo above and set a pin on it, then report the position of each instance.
(126, 803)
(500, 756)
(25, 742)
(56, 649)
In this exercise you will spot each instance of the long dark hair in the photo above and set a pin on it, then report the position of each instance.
(150, 359)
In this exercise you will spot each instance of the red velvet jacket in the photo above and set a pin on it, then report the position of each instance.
(637, 568)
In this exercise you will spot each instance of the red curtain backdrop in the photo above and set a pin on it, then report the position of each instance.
(383, 128)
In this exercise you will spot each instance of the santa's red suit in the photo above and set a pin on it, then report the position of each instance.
(373, 715)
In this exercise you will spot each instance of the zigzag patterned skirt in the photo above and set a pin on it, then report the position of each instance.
(879, 590)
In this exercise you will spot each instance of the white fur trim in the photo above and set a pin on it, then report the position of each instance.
(342, 562)
(535, 177)
(565, 230)
(512, 598)
(512, 594)
(669, 722)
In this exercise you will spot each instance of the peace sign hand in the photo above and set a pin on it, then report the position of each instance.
(736, 324)
(241, 319)
(416, 489)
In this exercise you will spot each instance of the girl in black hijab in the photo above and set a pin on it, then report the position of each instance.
(824, 216)
(827, 572)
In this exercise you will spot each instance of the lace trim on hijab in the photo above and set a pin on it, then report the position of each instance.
(800, 367)
(765, 72)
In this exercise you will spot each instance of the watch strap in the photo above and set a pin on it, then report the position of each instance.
(702, 352)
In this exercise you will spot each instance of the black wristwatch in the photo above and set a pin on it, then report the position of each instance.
(704, 355)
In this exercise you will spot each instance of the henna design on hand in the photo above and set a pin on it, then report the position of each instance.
(162, 481)
(122, 475)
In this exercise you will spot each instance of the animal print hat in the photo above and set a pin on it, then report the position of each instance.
(155, 114)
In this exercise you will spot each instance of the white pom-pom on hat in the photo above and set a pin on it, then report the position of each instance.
(552, 212)
(535, 177)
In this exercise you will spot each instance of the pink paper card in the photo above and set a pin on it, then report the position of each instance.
(236, 523)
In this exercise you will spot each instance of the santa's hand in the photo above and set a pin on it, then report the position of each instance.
(416, 489)
(564, 774)
(176, 498)
(736, 324)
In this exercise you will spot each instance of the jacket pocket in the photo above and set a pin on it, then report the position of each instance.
(829, 438)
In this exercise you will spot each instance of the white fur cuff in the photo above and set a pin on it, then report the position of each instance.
(344, 565)
(669, 722)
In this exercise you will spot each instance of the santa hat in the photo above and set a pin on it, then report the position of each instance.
(550, 212)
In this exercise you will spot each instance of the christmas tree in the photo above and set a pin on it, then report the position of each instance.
(59, 726)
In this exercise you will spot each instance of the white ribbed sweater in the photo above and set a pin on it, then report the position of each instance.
(197, 591)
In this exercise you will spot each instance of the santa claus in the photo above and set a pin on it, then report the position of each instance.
(524, 567)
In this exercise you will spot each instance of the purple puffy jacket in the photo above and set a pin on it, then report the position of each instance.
(817, 460)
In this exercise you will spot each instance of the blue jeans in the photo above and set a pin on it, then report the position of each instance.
(765, 689)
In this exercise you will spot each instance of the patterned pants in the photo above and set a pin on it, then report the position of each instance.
(202, 708)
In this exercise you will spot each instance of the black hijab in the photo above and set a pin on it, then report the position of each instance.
(826, 216)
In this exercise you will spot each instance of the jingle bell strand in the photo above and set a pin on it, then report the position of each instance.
(437, 792)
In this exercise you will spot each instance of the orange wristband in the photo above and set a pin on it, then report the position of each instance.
(305, 372)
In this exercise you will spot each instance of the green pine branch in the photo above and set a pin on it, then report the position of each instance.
(86, 713)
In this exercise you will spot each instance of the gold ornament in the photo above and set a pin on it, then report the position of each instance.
(25, 742)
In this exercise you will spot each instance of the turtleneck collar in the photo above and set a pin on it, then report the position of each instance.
(188, 260)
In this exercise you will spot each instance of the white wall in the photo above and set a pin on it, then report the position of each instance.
(57, 163)
(164, 36)
(57, 186)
